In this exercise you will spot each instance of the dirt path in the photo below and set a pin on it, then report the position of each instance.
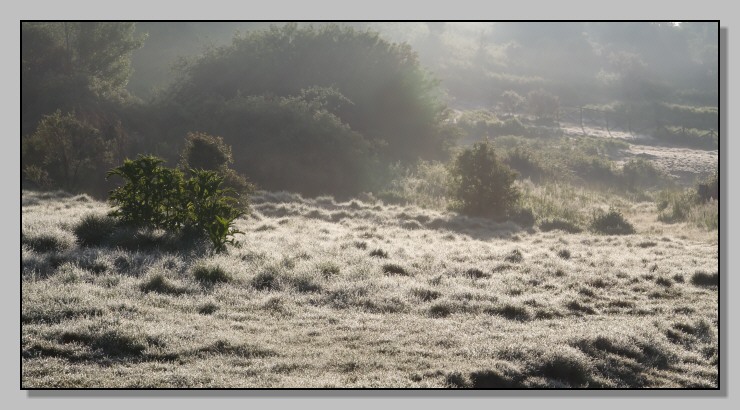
(686, 165)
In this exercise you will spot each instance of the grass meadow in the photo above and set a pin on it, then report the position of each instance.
(328, 294)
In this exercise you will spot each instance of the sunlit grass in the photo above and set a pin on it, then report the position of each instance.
(367, 300)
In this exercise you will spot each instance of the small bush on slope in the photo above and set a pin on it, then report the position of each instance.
(482, 185)
(611, 223)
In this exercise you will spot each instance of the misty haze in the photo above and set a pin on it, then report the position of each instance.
(380, 204)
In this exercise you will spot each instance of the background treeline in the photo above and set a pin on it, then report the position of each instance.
(312, 110)
(336, 109)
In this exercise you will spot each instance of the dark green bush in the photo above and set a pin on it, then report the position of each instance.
(152, 195)
(205, 151)
(482, 185)
(208, 152)
(376, 87)
(290, 144)
(211, 208)
(161, 198)
(611, 223)
(94, 230)
(65, 153)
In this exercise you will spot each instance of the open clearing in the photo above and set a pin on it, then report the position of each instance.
(362, 294)
(685, 165)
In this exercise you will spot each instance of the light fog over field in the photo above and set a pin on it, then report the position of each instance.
(495, 205)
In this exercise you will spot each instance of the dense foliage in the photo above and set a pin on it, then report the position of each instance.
(71, 65)
(482, 185)
(65, 153)
(335, 109)
(155, 196)
(203, 151)
(611, 223)
(351, 81)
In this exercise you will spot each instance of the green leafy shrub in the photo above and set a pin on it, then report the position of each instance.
(152, 195)
(210, 208)
(611, 223)
(157, 197)
(482, 185)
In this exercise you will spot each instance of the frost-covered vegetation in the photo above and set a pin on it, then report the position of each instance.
(360, 293)
(327, 205)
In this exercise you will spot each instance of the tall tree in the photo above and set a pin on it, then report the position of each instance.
(65, 64)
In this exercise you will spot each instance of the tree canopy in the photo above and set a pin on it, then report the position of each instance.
(389, 98)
